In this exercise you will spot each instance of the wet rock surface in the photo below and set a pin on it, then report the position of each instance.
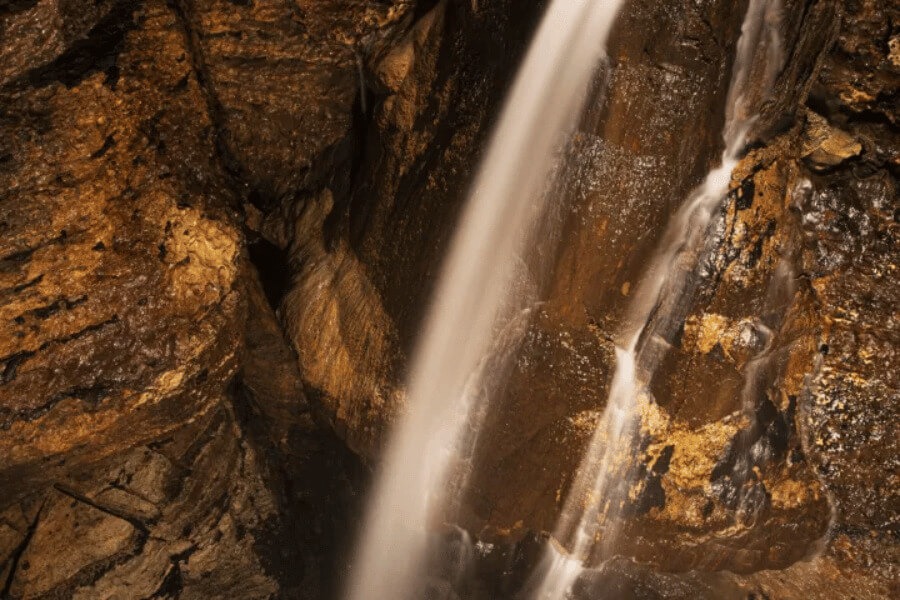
(366, 249)
(739, 451)
(154, 435)
(119, 261)
(175, 174)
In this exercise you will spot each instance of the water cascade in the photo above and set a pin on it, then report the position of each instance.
(506, 200)
(660, 303)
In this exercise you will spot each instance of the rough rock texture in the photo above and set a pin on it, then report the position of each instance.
(171, 171)
(120, 317)
(281, 78)
(195, 515)
(361, 284)
(655, 152)
(796, 313)
(154, 437)
(165, 519)
(745, 375)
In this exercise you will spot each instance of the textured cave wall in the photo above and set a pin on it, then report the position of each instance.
(173, 171)
(366, 247)
(822, 198)
(120, 264)
(155, 441)
(160, 154)
(816, 199)
(767, 274)
(636, 158)
(358, 290)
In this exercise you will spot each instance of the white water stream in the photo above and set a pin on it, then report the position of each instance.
(658, 302)
(505, 202)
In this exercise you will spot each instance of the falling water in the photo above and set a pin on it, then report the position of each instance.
(506, 200)
(659, 303)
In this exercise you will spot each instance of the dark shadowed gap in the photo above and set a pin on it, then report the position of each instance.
(98, 51)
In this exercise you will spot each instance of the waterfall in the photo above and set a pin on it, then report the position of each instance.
(505, 201)
(661, 302)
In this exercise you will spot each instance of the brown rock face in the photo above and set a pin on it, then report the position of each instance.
(281, 78)
(361, 284)
(158, 520)
(119, 310)
(42, 31)
(728, 476)
(637, 161)
(170, 171)
(152, 419)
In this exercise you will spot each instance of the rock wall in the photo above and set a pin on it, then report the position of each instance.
(175, 173)
(155, 441)
(745, 372)
(362, 279)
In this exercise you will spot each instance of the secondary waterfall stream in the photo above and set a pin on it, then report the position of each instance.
(506, 200)
(587, 525)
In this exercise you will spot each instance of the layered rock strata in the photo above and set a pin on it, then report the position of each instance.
(171, 172)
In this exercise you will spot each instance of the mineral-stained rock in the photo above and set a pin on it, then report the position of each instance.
(281, 78)
(692, 489)
(211, 510)
(37, 32)
(160, 520)
(311, 474)
(745, 365)
(88, 535)
(730, 391)
(346, 343)
(119, 313)
(361, 287)
(154, 437)
(148, 402)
